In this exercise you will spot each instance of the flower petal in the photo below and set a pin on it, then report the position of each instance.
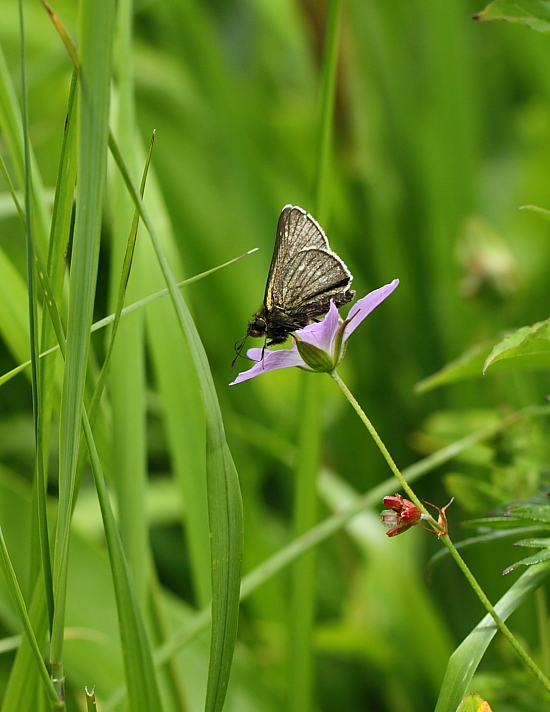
(321, 334)
(285, 358)
(363, 307)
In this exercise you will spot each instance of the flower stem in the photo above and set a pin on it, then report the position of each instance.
(444, 539)
(501, 625)
(383, 449)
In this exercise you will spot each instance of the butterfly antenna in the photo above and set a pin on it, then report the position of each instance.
(238, 348)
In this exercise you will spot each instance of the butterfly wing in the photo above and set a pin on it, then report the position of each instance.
(296, 231)
(303, 278)
(312, 278)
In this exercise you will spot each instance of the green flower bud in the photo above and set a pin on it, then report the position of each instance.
(316, 359)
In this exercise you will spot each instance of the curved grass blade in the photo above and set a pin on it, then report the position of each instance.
(140, 673)
(102, 323)
(24, 689)
(540, 211)
(123, 284)
(127, 356)
(137, 658)
(51, 280)
(17, 597)
(224, 499)
(10, 121)
(39, 565)
(96, 53)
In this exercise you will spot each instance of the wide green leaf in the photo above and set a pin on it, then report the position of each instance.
(533, 355)
(533, 13)
(530, 345)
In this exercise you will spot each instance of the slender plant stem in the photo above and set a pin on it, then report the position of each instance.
(383, 449)
(506, 632)
(444, 539)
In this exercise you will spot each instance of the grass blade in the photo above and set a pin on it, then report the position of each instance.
(16, 285)
(96, 53)
(10, 121)
(17, 597)
(140, 674)
(127, 377)
(224, 499)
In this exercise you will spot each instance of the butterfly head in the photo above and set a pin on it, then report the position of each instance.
(257, 327)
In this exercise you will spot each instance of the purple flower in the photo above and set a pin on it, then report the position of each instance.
(319, 346)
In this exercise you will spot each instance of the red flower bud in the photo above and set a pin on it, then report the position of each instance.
(404, 514)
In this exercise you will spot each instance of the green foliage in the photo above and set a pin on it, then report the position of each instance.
(440, 133)
(533, 13)
(529, 341)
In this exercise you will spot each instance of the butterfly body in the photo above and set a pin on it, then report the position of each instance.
(304, 276)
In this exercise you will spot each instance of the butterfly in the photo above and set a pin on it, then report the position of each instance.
(304, 276)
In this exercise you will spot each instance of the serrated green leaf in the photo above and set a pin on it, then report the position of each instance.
(533, 543)
(537, 558)
(529, 341)
(535, 512)
(533, 13)
(494, 522)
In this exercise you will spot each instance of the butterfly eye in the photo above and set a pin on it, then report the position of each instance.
(259, 325)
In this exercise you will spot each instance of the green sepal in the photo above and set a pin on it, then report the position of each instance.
(339, 343)
(315, 358)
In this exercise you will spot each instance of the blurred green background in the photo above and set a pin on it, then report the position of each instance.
(442, 130)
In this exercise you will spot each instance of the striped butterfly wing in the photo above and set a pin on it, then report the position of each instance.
(305, 274)
(314, 277)
(296, 231)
